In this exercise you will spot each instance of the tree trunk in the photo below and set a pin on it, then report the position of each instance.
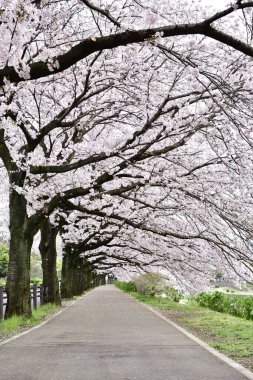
(88, 276)
(78, 280)
(72, 274)
(48, 253)
(68, 274)
(18, 278)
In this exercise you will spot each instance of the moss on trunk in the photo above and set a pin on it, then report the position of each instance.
(18, 278)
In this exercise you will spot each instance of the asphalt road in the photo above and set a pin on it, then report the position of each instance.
(108, 335)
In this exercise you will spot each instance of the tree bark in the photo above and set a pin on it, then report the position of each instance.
(68, 273)
(77, 274)
(18, 278)
(72, 275)
(88, 275)
(78, 280)
(47, 247)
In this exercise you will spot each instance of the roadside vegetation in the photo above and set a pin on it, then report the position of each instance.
(248, 291)
(231, 335)
(236, 305)
(17, 324)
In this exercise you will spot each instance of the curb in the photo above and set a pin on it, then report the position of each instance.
(5, 341)
(244, 371)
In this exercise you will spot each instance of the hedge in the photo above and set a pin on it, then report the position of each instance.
(235, 305)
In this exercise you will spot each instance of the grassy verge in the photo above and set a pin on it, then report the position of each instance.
(227, 290)
(233, 336)
(15, 325)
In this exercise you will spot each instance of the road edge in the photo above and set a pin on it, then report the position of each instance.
(5, 341)
(244, 371)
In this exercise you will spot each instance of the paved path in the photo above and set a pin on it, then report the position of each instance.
(109, 336)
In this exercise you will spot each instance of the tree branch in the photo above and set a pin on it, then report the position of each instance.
(88, 46)
(102, 12)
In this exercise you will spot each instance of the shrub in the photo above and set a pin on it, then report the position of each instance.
(150, 284)
(236, 305)
(173, 294)
(35, 280)
(126, 286)
(214, 301)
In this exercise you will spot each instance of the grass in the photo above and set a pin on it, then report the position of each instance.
(230, 335)
(227, 290)
(16, 324)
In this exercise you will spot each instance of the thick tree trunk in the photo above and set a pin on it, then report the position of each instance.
(88, 276)
(18, 279)
(48, 253)
(78, 280)
(72, 275)
(68, 274)
(101, 279)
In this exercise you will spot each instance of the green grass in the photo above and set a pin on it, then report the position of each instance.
(165, 304)
(231, 335)
(10, 326)
(16, 324)
(227, 290)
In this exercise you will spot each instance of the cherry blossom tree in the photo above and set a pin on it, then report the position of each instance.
(82, 119)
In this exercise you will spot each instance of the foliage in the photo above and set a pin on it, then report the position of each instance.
(35, 280)
(10, 326)
(59, 268)
(236, 305)
(3, 260)
(36, 268)
(173, 294)
(149, 284)
(231, 335)
(126, 286)
(144, 170)
(16, 324)
(41, 313)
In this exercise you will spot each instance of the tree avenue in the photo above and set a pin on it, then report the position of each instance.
(129, 132)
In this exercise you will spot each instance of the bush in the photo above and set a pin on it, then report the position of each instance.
(150, 284)
(173, 294)
(236, 305)
(35, 280)
(126, 286)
